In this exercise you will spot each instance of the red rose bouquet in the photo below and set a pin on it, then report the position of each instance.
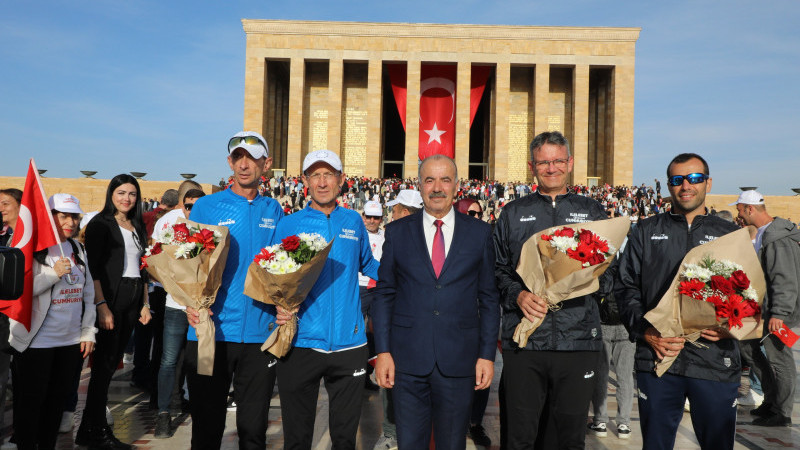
(283, 275)
(565, 262)
(188, 260)
(720, 286)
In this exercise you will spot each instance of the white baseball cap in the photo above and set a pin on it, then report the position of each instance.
(245, 140)
(373, 208)
(65, 203)
(326, 156)
(408, 197)
(750, 197)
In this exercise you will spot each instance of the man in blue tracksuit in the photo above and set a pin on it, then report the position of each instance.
(241, 323)
(330, 341)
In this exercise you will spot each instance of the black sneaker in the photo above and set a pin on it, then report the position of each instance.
(775, 420)
(765, 410)
(162, 426)
(478, 436)
(599, 429)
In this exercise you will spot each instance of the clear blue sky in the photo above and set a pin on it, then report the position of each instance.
(157, 86)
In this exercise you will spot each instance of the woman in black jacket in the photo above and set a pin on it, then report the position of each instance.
(115, 242)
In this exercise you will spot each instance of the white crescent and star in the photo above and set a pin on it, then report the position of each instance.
(435, 134)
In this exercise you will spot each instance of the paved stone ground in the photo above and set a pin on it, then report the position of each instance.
(134, 422)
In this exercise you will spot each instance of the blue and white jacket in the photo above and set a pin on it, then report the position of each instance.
(330, 317)
(251, 224)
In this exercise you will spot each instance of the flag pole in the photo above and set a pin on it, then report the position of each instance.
(44, 198)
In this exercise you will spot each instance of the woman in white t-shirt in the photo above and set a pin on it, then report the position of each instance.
(61, 331)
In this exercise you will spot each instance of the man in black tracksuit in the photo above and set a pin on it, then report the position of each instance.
(547, 385)
(707, 375)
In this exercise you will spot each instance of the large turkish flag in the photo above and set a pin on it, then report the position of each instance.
(35, 231)
(437, 110)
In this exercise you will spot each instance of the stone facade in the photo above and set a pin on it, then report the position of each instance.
(311, 85)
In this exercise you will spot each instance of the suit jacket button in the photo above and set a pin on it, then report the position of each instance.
(438, 286)
(435, 313)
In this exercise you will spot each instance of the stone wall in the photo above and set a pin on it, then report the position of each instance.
(92, 192)
(784, 206)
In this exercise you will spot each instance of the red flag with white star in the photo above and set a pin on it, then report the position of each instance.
(437, 110)
(786, 335)
(35, 231)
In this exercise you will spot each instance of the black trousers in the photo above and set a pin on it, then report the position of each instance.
(148, 345)
(545, 398)
(42, 383)
(253, 376)
(125, 307)
(299, 374)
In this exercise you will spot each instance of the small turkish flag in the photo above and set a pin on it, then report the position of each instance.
(437, 110)
(786, 335)
(35, 230)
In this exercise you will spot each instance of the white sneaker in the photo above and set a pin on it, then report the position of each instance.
(752, 398)
(623, 431)
(109, 417)
(599, 429)
(67, 419)
(385, 443)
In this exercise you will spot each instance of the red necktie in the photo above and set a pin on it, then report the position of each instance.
(437, 255)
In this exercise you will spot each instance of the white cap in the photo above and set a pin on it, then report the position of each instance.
(750, 197)
(65, 203)
(326, 156)
(256, 151)
(408, 197)
(87, 218)
(373, 208)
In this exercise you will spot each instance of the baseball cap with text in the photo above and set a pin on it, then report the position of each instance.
(373, 209)
(65, 203)
(326, 156)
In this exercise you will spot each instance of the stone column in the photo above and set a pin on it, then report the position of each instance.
(463, 82)
(502, 104)
(372, 167)
(335, 86)
(541, 95)
(622, 149)
(255, 85)
(294, 146)
(580, 123)
(414, 72)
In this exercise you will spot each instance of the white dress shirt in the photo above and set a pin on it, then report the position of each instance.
(430, 230)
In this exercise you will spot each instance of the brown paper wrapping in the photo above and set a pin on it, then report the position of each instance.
(194, 282)
(555, 276)
(287, 291)
(677, 315)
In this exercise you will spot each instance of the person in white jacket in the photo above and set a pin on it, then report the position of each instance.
(61, 333)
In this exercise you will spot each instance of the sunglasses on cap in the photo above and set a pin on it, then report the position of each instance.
(238, 140)
(692, 178)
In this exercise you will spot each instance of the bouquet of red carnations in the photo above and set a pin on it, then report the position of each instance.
(283, 275)
(721, 285)
(188, 260)
(565, 262)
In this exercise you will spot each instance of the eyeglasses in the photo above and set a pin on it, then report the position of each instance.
(327, 176)
(558, 163)
(249, 140)
(692, 178)
(477, 214)
(188, 206)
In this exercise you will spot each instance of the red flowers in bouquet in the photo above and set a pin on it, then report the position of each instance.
(724, 284)
(189, 242)
(583, 245)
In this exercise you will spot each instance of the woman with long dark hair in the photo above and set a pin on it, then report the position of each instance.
(115, 242)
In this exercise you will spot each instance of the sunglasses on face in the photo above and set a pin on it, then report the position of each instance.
(477, 214)
(236, 141)
(692, 178)
(188, 206)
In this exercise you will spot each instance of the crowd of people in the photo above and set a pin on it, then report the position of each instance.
(414, 286)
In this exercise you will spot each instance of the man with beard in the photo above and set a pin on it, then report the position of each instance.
(708, 374)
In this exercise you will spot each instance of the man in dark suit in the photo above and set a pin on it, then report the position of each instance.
(436, 313)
